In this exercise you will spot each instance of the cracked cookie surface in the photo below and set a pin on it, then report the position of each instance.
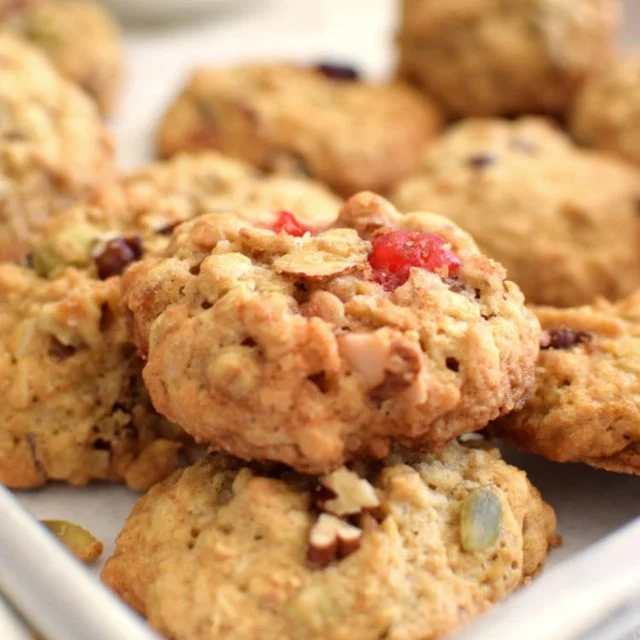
(586, 403)
(607, 110)
(74, 406)
(278, 347)
(490, 57)
(54, 150)
(346, 133)
(221, 550)
(564, 222)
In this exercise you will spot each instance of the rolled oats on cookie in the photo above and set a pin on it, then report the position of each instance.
(316, 348)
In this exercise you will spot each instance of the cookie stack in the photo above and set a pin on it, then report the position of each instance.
(338, 367)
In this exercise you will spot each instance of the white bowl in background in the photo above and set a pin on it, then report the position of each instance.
(141, 11)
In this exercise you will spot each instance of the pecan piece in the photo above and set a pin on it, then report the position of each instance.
(346, 493)
(332, 539)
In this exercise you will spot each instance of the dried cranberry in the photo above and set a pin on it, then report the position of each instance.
(117, 255)
(563, 338)
(289, 224)
(481, 160)
(341, 72)
(394, 254)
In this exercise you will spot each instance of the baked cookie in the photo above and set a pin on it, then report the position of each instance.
(79, 37)
(316, 349)
(154, 200)
(586, 404)
(564, 222)
(74, 407)
(488, 57)
(410, 549)
(54, 150)
(606, 114)
(303, 120)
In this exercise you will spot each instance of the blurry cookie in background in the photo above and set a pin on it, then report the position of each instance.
(79, 37)
(151, 202)
(74, 408)
(488, 57)
(606, 114)
(586, 403)
(563, 221)
(411, 548)
(54, 149)
(320, 122)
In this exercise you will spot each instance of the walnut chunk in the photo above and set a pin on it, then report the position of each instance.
(351, 493)
(332, 539)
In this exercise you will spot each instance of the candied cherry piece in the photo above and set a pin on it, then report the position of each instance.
(394, 254)
(290, 225)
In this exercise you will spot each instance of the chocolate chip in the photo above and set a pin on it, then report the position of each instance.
(59, 351)
(117, 254)
(481, 160)
(101, 445)
(563, 338)
(452, 364)
(340, 72)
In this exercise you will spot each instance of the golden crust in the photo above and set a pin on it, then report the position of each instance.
(282, 348)
(219, 550)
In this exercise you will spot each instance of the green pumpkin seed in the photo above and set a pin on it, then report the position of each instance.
(480, 520)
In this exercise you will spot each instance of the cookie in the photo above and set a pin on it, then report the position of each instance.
(155, 199)
(303, 120)
(74, 407)
(312, 349)
(483, 58)
(54, 150)
(79, 37)
(606, 114)
(410, 549)
(564, 222)
(586, 403)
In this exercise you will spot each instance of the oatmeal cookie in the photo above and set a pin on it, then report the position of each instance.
(564, 222)
(586, 403)
(315, 349)
(344, 132)
(79, 37)
(74, 407)
(54, 150)
(410, 549)
(154, 200)
(606, 114)
(491, 57)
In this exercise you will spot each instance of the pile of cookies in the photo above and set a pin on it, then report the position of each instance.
(305, 376)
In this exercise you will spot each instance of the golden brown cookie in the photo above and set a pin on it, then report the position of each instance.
(488, 57)
(79, 37)
(419, 547)
(586, 404)
(152, 201)
(73, 404)
(311, 121)
(606, 114)
(564, 222)
(54, 150)
(279, 344)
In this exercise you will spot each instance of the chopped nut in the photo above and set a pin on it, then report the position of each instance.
(563, 338)
(480, 520)
(79, 541)
(352, 494)
(332, 539)
(117, 254)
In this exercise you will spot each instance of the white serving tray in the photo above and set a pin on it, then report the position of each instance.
(581, 584)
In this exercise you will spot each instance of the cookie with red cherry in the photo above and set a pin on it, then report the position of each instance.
(313, 349)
